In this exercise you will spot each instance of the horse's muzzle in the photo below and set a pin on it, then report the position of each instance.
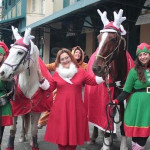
(97, 70)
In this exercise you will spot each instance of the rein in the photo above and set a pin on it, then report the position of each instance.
(110, 109)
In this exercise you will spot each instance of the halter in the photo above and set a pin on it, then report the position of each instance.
(24, 59)
(111, 54)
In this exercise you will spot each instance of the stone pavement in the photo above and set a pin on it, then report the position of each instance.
(49, 146)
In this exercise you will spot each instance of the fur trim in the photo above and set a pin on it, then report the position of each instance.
(67, 73)
(99, 80)
(45, 85)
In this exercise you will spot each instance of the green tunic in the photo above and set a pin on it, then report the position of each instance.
(6, 110)
(137, 113)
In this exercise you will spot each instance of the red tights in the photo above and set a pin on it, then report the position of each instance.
(67, 147)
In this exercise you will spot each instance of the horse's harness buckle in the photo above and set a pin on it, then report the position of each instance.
(148, 89)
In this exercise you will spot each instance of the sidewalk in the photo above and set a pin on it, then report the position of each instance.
(49, 146)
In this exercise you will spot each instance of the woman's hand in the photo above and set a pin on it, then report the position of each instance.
(115, 101)
(41, 78)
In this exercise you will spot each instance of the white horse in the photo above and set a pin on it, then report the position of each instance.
(23, 60)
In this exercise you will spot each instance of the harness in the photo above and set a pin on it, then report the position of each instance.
(24, 59)
(108, 58)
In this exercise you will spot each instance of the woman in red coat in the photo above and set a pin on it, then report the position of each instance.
(68, 124)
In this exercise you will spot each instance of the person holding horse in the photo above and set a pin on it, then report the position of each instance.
(78, 54)
(6, 92)
(137, 88)
(68, 124)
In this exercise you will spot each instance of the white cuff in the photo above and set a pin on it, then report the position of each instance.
(99, 79)
(45, 85)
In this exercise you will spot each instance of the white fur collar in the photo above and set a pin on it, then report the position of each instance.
(67, 73)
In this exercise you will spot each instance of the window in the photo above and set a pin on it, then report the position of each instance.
(14, 12)
(42, 7)
(9, 14)
(5, 4)
(19, 8)
(9, 2)
(33, 5)
(66, 3)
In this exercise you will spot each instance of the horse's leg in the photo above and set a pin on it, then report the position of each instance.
(13, 129)
(123, 145)
(106, 143)
(34, 129)
(25, 127)
(94, 135)
(22, 132)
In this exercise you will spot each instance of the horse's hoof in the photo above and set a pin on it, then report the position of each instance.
(35, 148)
(9, 148)
(92, 142)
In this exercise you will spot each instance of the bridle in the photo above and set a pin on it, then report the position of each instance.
(24, 59)
(108, 58)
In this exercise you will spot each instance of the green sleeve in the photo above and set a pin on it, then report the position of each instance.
(9, 85)
(130, 81)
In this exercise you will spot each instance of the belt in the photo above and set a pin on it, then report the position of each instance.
(147, 90)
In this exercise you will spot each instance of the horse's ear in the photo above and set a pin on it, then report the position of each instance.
(28, 36)
(103, 17)
(15, 33)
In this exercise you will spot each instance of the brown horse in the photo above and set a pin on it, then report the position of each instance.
(112, 62)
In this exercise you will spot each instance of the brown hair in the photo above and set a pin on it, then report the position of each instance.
(82, 54)
(65, 50)
(140, 70)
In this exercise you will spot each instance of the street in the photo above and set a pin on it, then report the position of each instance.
(49, 146)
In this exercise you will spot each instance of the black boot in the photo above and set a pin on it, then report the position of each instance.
(35, 143)
(11, 141)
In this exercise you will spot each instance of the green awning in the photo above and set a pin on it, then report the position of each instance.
(10, 20)
(71, 9)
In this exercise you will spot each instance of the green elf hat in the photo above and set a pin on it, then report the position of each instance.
(2, 51)
(143, 47)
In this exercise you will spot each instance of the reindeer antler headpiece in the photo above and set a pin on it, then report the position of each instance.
(115, 25)
(23, 41)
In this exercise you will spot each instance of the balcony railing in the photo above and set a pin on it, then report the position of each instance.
(1, 13)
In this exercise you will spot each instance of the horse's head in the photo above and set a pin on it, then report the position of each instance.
(109, 41)
(19, 58)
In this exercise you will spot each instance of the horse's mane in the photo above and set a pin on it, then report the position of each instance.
(29, 81)
(119, 65)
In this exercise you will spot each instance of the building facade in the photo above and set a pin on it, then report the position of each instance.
(67, 23)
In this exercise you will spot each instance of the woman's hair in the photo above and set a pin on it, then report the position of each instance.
(79, 48)
(65, 50)
(81, 59)
(140, 70)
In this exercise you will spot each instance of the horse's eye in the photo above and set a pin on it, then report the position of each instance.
(20, 53)
(113, 39)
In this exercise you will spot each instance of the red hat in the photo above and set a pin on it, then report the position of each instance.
(111, 26)
(143, 47)
(22, 43)
(5, 48)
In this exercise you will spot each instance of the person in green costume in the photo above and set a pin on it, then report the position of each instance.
(137, 89)
(6, 92)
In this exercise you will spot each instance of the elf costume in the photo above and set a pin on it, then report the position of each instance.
(5, 87)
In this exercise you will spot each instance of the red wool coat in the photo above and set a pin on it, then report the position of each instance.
(96, 98)
(41, 101)
(68, 123)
